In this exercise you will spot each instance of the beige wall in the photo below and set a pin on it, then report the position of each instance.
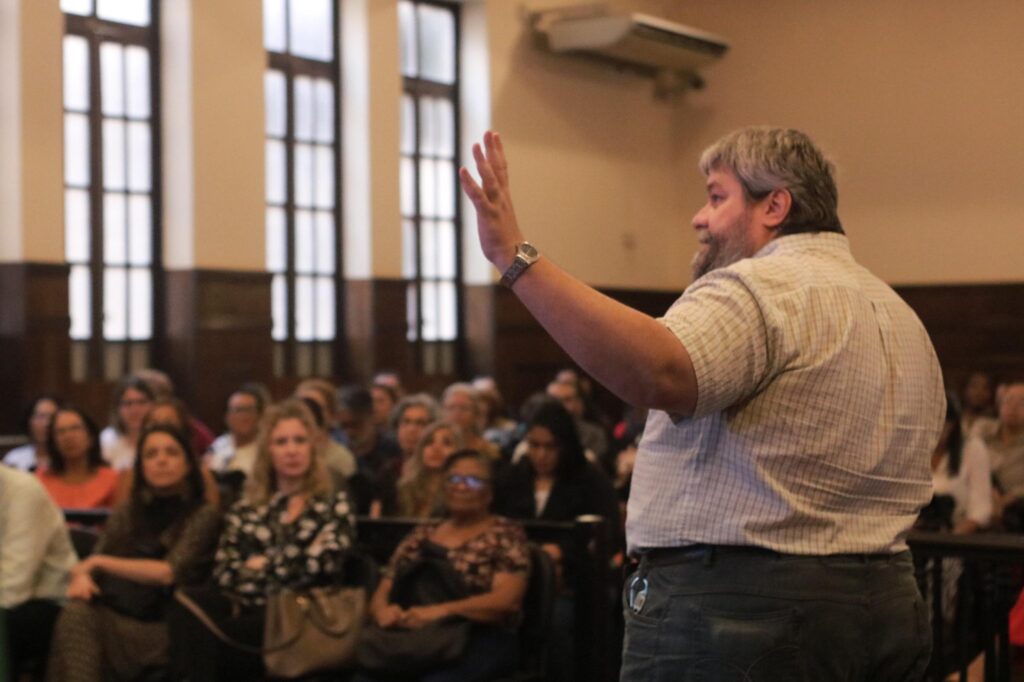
(919, 103)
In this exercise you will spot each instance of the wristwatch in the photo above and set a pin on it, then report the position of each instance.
(526, 256)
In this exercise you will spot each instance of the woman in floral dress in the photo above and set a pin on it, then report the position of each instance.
(290, 530)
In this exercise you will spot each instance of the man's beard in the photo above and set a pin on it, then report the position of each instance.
(731, 245)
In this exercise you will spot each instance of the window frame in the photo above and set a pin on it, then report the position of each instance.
(96, 357)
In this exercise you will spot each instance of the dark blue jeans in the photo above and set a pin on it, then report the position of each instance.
(730, 614)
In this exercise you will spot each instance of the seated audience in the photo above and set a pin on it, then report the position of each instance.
(236, 449)
(420, 488)
(290, 530)
(461, 405)
(978, 416)
(497, 428)
(326, 396)
(1005, 447)
(113, 626)
(555, 482)
(35, 425)
(389, 377)
(77, 477)
(163, 388)
(488, 553)
(408, 420)
(132, 400)
(962, 480)
(35, 559)
(592, 435)
(339, 459)
(374, 451)
(384, 400)
(169, 411)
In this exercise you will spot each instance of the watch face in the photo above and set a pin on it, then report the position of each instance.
(526, 248)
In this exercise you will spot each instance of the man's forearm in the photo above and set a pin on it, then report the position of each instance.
(630, 353)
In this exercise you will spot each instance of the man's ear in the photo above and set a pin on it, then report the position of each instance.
(775, 208)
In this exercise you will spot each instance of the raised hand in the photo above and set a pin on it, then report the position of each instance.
(495, 217)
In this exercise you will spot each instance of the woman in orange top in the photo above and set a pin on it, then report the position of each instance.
(77, 477)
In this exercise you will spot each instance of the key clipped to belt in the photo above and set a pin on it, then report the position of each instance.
(637, 596)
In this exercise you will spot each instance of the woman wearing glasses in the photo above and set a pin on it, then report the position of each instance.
(487, 552)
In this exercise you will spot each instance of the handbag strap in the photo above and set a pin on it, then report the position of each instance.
(197, 611)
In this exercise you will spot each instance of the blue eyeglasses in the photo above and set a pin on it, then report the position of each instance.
(471, 482)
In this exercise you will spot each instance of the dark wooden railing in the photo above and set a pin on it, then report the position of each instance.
(992, 566)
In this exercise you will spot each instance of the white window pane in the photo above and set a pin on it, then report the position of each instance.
(408, 125)
(304, 243)
(115, 303)
(325, 258)
(324, 177)
(312, 29)
(323, 94)
(303, 175)
(79, 302)
(113, 154)
(274, 103)
(279, 308)
(274, 27)
(428, 310)
(140, 315)
(428, 249)
(428, 188)
(408, 187)
(408, 249)
(445, 246)
(446, 308)
(76, 6)
(275, 172)
(303, 108)
(76, 149)
(134, 12)
(76, 73)
(137, 64)
(277, 240)
(304, 308)
(112, 79)
(407, 36)
(140, 160)
(140, 230)
(115, 233)
(444, 128)
(324, 309)
(427, 125)
(436, 43)
(411, 306)
(445, 189)
(76, 225)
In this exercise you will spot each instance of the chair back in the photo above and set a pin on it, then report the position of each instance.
(538, 611)
(83, 540)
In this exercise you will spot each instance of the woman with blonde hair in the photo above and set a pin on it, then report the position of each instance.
(290, 530)
(421, 486)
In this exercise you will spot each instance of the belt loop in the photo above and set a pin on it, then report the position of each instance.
(709, 556)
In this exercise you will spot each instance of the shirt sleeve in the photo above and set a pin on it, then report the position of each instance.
(32, 520)
(721, 324)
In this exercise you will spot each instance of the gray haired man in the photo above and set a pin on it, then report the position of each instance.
(794, 402)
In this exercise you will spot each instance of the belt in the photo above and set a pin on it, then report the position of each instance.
(666, 555)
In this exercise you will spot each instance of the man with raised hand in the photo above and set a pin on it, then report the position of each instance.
(795, 400)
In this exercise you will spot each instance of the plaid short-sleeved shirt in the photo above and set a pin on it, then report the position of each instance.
(819, 402)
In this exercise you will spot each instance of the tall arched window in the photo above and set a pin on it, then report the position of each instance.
(111, 183)
(429, 34)
(302, 183)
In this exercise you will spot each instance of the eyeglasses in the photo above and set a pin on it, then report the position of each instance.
(471, 482)
(134, 402)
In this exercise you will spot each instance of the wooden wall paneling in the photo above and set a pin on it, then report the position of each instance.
(34, 344)
(218, 336)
